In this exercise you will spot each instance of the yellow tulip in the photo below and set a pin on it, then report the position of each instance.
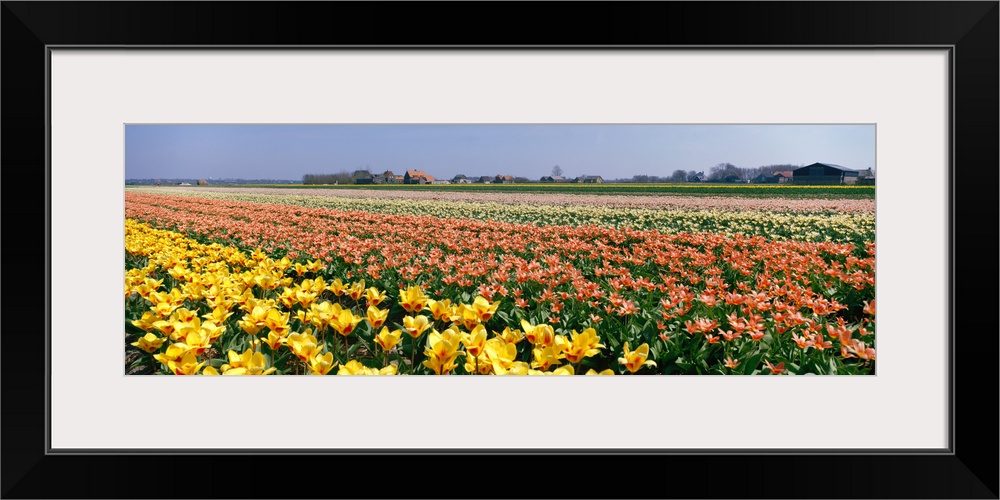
(374, 296)
(413, 299)
(255, 321)
(500, 354)
(538, 335)
(416, 326)
(602, 372)
(274, 341)
(321, 365)
(277, 322)
(218, 315)
(315, 265)
(377, 316)
(356, 290)
(180, 360)
(483, 309)
(145, 323)
(323, 314)
(345, 322)
(248, 363)
(510, 336)
(149, 343)
(440, 309)
(337, 287)
(353, 367)
(474, 340)
(303, 345)
(388, 339)
(634, 360)
(300, 269)
(466, 316)
(305, 297)
(197, 341)
(562, 370)
(442, 350)
(583, 345)
(546, 357)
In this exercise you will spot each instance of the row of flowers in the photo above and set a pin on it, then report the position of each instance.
(292, 331)
(563, 199)
(840, 227)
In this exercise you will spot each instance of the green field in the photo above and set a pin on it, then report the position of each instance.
(693, 189)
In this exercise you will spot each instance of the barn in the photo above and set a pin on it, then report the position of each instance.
(824, 173)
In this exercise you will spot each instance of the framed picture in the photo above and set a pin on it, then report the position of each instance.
(922, 75)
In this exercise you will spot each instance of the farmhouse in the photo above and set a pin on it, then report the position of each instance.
(590, 179)
(484, 180)
(362, 177)
(780, 177)
(503, 179)
(783, 176)
(461, 179)
(824, 173)
(417, 177)
(390, 178)
(554, 178)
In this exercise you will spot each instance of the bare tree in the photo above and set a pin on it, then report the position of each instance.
(678, 176)
(557, 170)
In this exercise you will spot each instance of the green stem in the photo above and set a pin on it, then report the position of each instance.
(413, 355)
(346, 349)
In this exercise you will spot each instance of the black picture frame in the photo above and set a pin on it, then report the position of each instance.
(969, 29)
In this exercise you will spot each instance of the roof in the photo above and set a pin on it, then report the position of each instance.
(415, 173)
(831, 165)
(783, 173)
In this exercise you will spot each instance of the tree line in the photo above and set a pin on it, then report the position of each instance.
(722, 172)
(342, 177)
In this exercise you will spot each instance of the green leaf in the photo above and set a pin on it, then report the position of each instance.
(752, 363)
(833, 365)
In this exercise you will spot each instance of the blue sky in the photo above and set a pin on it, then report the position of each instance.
(611, 151)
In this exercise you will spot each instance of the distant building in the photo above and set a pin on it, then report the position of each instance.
(824, 173)
(503, 179)
(554, 178)
(782, 176)
(417, 177)
(484, 180)
(441, 181)
(461, 179)
(388, 177)
(202, 182)
(590, 179)
(362, 177)
(699, 177)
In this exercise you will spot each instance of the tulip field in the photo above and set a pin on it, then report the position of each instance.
(326, 282)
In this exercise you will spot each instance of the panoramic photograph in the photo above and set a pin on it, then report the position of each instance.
(494, 249)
